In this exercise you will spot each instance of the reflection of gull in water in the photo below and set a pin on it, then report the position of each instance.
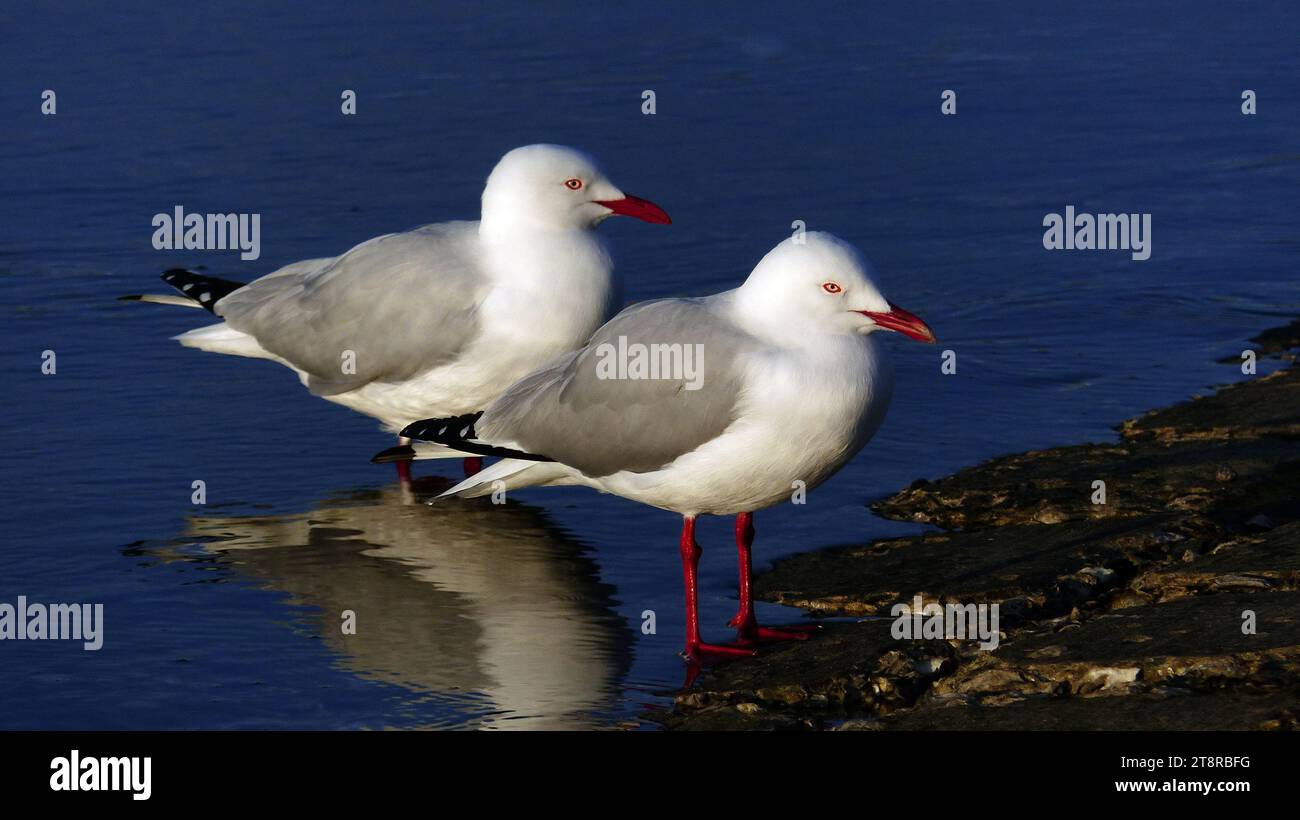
(488, 604)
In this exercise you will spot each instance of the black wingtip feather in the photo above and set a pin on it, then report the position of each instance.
(205, 290)
(457, 432)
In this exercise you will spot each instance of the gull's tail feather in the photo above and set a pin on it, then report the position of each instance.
(417, 451)
(222, 338)
(504, 475)
(161, 299)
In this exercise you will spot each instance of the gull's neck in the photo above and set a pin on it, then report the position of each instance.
(547, 263)
(757, 314)
(514, 228)
(504, 217)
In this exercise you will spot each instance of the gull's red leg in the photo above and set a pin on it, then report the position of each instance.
(744, 541)
(472, 465)
(746, 624)
(697, 650)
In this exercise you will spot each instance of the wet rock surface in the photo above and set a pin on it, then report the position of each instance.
(1193, 644)
(1272, 341)
(1141, 477)
(1263, 407)
(1221, 710)
(1175, 604)
(1031, 571)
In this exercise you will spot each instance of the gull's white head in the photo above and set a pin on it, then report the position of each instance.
(552, 187)
(819, 283)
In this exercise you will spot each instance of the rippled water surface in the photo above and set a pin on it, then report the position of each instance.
(227, 615)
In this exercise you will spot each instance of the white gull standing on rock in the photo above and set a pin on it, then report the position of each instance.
(792, 385)
(438, 320)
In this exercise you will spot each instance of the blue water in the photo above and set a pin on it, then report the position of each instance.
(228, 615)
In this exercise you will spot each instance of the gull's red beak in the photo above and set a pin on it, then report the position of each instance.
(642, 209)
(901, 321)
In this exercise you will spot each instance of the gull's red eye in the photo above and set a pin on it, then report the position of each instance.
(831, 287)
(574, 184)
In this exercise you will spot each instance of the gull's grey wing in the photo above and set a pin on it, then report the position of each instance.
(386, 310)
(579, 411)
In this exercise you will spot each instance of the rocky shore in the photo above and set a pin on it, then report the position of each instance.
(1174, 604)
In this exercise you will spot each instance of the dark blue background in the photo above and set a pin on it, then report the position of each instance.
(828, 114)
